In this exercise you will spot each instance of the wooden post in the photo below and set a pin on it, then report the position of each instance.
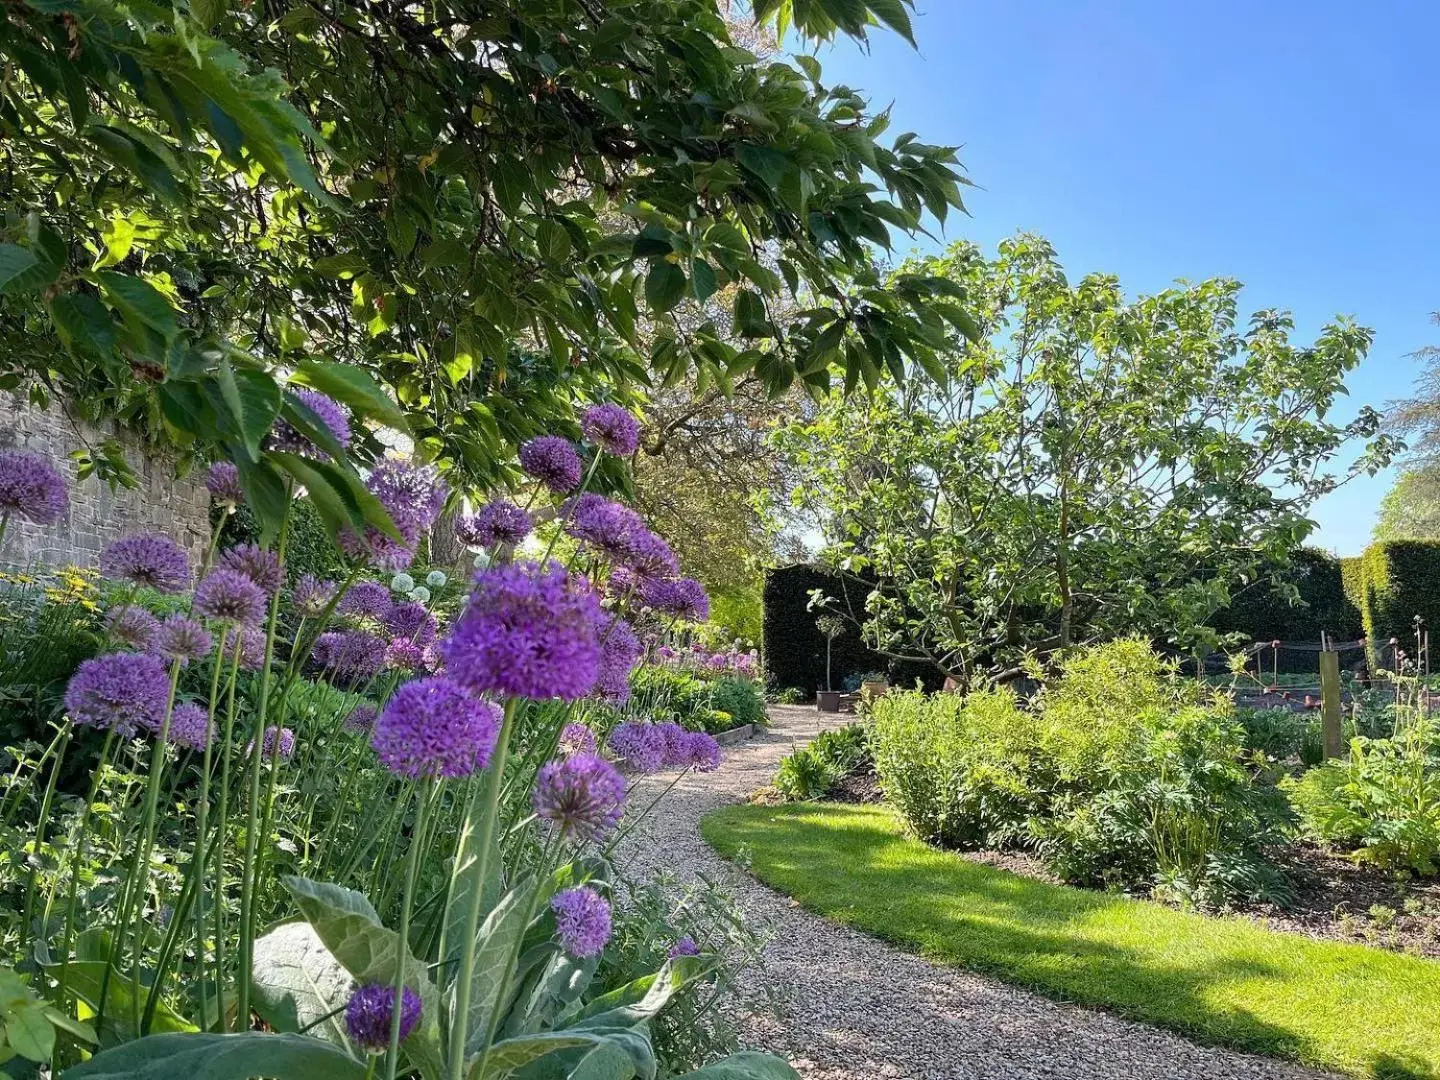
(1330, 702)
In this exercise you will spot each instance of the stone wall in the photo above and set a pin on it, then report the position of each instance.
(162, 502)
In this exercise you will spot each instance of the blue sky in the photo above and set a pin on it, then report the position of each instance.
(1289, 145)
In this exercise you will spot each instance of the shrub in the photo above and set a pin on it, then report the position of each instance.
(810, 772)
(1279, 733)
(739, 697)
(1383, 802)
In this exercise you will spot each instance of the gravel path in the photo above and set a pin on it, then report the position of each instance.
(856, 1009)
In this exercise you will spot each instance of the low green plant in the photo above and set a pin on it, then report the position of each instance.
(811, 771)
(790, 695)
(1279, 733)
(1382, 803)
(741, 698)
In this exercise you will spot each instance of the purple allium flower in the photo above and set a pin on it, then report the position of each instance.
(285, 436)
(120, 692)
(700, 751)
(685, 946)
(582, 921)
(433, 728)
(352, 653)
(183, 639)
(190, 726)
(650, 556)
(412, 621)
(371, 1011)
(223, 481)
(640, 746)
(528, 631)
(32, 488)
(361, 718)
(576, 739)
(260, 566)
(582, 794)
(283, 738)
(553, 461)
(230, 596)
(379, 549)
(311, 596)
(147, 559)
(605, 525)
(406, 489)
(684, 598)
(366, 598)
(404, 655)
(498, 522)
(132, 626)
(249, 643)
(620, 649)
(673, 736)
(612, 429)
(665, 652)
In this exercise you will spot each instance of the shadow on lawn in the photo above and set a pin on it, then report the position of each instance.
(855, 868)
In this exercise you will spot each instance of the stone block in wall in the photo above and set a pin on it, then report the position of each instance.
(162, 502)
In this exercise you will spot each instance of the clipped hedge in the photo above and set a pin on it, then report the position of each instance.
(1394, 581)
(308, 549)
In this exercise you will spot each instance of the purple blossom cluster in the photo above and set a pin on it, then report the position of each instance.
(361, 718)
(280, 739)
(260, 566)
(698, 658)
(413, 495)
(683, 598)
(285, 436)
(496, 523)
(403, 654)
(350, 653)
(121, 692)
(621, 535)
(228, 596)
(685, 946)
(620, 651)
(31, 488)
(582, 921)
(191, 727)
(245, 646)
(147, 559)
(182, 639)
(223, 482)
(612, 429)
(581, 794)
(528, 631)
(412, 621)
(311, 596)
(370, 1013)
(132, 626)
(649, 748)
(576, 739)
(553, 461)
(366, 599)
(433, 728)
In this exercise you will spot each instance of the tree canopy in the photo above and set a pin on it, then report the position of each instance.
(479, 210)
(1091, 466)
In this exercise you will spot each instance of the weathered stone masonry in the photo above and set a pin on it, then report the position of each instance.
(163, 503)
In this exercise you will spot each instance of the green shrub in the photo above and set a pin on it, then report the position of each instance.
(1120, 773)
(308, 547)
(1382, 803)
(740, 697)
(1278, 733)
(810, 772)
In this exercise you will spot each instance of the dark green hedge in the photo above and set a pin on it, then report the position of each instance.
(1262, 613)
(795, 648)
(308, 550)
(1392, 583)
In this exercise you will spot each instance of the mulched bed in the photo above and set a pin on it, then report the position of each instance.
(1336, 899)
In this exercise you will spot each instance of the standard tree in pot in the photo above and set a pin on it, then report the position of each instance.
(832, 626)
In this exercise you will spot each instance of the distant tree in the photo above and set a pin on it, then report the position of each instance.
(1410, 510)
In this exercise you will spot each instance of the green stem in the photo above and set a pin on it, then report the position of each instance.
(39, 842)
(77, 852)
(477, 837)
(222, 825)
(407, 897)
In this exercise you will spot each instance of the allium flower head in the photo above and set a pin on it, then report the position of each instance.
(32, 488)
(148, 559)
(433, 728)
(285, 436)
(191, 727)
(230, 596)
(582, 794)
(366, 598)
(249, 643)
(553, 461)
(436, 579)
(183, 639)
(404, 655)
(350, 653)
(412, 621)
(685, 946)
(311, 596)
(650, 556)
(281, 739)
(361, 718)
(605, 525)
(495, 523)
(405, 488)
(699, 751)
(528, 631)
(260, 566)
(120, 692)
(582, 921)
(612, 429)
(674, 737)
(370, 1013)
(223, 482)
(576, 739)
(420, 594)
(640, 746)
(684, 598)
(620, 650)
(132, 626)
(402, 583)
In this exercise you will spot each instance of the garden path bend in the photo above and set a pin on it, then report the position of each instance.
(854, 1008)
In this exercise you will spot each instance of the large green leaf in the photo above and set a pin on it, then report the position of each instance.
(610, 1054)
(221, 1057)
(664, 285)
(21, 270)
(746, 1066)
(247, 402)
(560, 987)
(139, 301)
(642, 999)
(511, 1054)
(498, 940)
(88, 979)
(299, 985)
(354, 387)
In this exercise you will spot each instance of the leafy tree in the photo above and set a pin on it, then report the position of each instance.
(1090, 467)
(1410, 510)
(203, 197)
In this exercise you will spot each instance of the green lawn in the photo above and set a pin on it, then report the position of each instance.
(1221, 980)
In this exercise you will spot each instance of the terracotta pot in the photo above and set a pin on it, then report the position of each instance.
(871, 689)
(827, 700)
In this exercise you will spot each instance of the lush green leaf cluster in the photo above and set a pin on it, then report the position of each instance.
(811, 771)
